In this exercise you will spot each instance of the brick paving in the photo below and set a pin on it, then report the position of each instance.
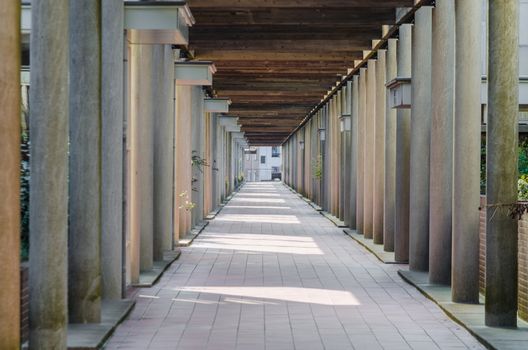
(269, 272)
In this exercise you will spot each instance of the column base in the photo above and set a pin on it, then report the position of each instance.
(94, 335)
(149, 278)
(213, 213)
(335, 220)
(307, 200)
(195, 232)
(376, 249)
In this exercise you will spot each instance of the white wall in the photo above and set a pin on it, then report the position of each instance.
(255, 170)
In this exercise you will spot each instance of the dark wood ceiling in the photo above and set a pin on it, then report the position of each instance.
(277, 58)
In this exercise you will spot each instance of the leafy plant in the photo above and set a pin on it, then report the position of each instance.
(198, 162)
(317, 167)
(522, 166)
(187, 204)
(518, 209)
(24, 178)
(24, 196)
(522, 188)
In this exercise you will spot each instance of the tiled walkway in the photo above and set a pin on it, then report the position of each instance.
(271, 273)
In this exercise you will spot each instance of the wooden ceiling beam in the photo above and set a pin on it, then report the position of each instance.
(251, 123)
(269, 114)
(260, 64)
(255, 107)
(310, 16)
(283, 31)
(342, 45)
(296, 3)
(276, 93)
(286, 85)
(276, 59)
(346, 57)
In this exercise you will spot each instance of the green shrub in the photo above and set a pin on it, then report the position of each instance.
(24, 196)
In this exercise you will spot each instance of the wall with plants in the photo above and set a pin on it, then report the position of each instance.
(522, 164)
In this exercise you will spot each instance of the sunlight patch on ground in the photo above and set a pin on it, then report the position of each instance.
(272, 219)
(290, 294)
(257, 236)
(257, 200)
(259, 194)
(255, 207)
(259, 243)
(227, 300)
(148, 296)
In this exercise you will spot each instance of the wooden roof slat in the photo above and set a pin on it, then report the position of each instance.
(276, 59)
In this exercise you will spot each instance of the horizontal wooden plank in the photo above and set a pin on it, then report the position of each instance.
(294, 16)
(284, 32)
(297, 3)
(342, 45)
(346, 57)
(276, 59)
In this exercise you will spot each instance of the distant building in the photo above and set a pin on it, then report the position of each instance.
(263, 163)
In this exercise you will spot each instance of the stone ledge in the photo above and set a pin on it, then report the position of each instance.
(469, 316)
(376, 249)
(326, 214)
(213, 214)
(195, 232)
(333, 219)
(149, 278)
(310, 203)
(307, 200)
(93, 336)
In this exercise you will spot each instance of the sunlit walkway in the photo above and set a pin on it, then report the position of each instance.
(271, 273)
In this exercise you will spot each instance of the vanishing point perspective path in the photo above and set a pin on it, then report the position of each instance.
(269, 272)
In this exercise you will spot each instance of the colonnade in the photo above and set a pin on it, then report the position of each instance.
(125, 162)
(408, 175)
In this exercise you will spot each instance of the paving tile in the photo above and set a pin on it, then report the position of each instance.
(264, 277)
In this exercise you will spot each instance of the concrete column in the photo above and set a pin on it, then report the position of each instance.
(10, 175)
(379, 148)
(466, 159)
(502, 172)
(362, 101)
(320, 153)
(306, 161)
(354, 135)
(420, 141)
(346, 155)
(333, 184)
(441, 161)
(163, 88)
(403, 134)
(214, 160)
(370, 119)
(84, 242)
(182, 159)
(201, 144)
(112, 17)
(343, 163)
(326, 159)
(145, 155)
(389, 209)
(133, 205)
(48, 264)
(337, 152)
(304, 154)
(196, 150)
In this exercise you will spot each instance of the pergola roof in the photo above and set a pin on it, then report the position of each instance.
(276, 59)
